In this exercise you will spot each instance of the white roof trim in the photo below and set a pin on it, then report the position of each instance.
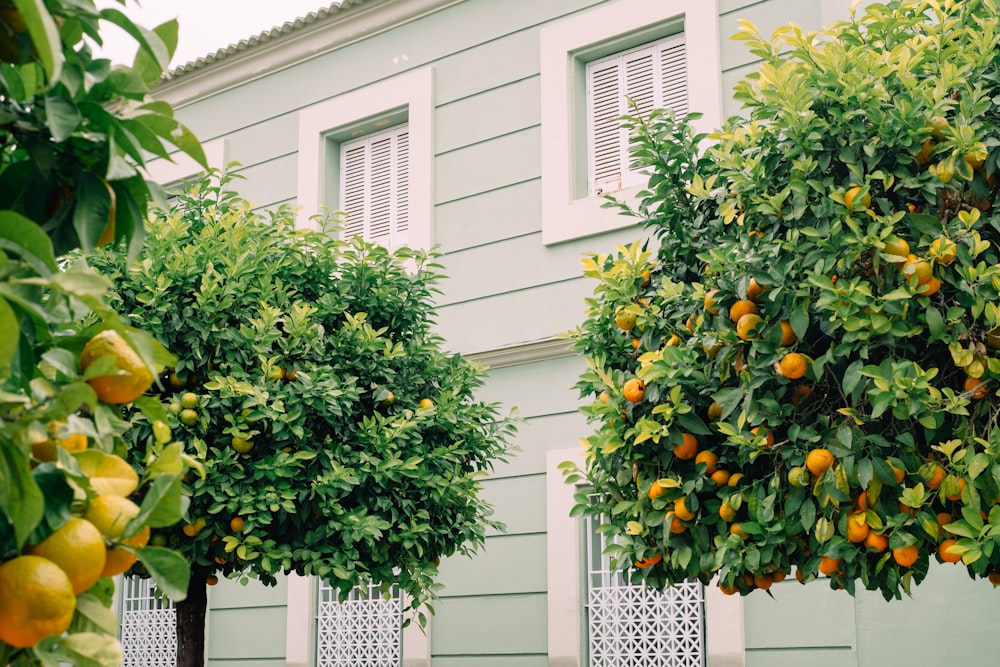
(292, 43)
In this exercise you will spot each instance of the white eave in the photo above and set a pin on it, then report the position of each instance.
(312, 35)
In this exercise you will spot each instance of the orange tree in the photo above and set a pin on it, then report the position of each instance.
(802, 374)
(338, 439)
(74, 135)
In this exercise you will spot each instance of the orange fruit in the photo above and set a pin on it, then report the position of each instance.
(763, 581)
(46, 449)
(726, 511)
(819, 460)
(897, 247)
(36, 600)
(977, 387)
(943, 519)
(994, 578)
(945, 555)
(830, 566)
(734, 479)
(711, 305)
(133, 378)
(715, 411)
(720, 477)
(852, 194)
(801, 392)
(741, 308)
(899, 473)
(919, 267)
(876, 542)
(120, 559)
(787, 335)
(211, 580)
(933, 474)
(681, 510)
(673, 341)
(768, 436)
(943, 250)
(688, 448)
(793, 365)
(729, 590)
(655, 491)
(709, 458)
(109, 474)
(625, 319)
(737, 530)
(857, 527)
(754, 290)
(906, 556)
(77, 547)
(798, 476)
(676, 525)
(634, 390)
(188, 416)
(237, 523)
(635, 343)
(240, 444)
(110, 514)
(645, 278)
(747, 324)
(930, 287)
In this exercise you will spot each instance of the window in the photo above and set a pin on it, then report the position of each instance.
(365, 630)
(374, 142)
(374, 186)
(683, 38)
(634, 82)
(148, 625)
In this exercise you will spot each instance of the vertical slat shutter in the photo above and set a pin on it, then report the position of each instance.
(374, 179)
(652, 76)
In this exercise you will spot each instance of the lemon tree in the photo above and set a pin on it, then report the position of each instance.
(817, 318)
(76, 133)
(338, 439)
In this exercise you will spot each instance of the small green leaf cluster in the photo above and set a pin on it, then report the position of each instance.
(338, 438)
(819, 318)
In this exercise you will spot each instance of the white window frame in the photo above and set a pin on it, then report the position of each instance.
(386, 170)
(724, 634)
(610, 88)
(568, 212)
(410, 94)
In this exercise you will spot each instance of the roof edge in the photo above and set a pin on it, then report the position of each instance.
(286, 45)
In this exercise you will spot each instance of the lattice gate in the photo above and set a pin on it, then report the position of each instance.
(148, 625)
(365, 630)
(631, 625)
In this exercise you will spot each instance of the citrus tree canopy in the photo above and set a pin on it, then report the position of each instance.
(75, 134)
(338, 439)
(802, 375)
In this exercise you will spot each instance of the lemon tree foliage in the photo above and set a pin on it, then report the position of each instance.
(338, 439)
(816, 330)
(75, 132)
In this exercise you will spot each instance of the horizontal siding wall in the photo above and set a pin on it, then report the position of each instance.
(246, 624)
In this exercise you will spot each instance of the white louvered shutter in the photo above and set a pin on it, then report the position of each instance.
(652, 76)
(374, 186)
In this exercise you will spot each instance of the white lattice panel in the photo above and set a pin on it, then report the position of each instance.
(363, 631)
(148, 625)
(631, 625)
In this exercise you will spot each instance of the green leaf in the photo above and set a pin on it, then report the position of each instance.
(44, 36)
(169, 570)
(161, 507)
(10, 340)
(185, 140)
(20, 498)
(146, 64)
(27, 235)
(852, 376)
(92, 212)
(93, 616)
(149, 41)
(58, 495)
(61, 117)
(82, 649)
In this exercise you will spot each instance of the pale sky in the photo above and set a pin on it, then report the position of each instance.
(205, 25)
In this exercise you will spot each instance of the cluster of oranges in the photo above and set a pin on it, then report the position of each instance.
(39, 586)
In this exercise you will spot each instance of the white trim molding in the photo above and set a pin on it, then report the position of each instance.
(412, 92)
(568, 212)
(289, 45)
(523, 353)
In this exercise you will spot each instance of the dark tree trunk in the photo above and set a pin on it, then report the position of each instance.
(191, 622)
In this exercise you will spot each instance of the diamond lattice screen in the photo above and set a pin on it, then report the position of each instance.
(363, 631)
(148, 626)
(631, 625)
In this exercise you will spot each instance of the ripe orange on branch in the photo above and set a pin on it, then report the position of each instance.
(132, 379)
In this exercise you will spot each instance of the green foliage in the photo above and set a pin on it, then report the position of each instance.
(302, 364)
(75, 134)
(870, 131)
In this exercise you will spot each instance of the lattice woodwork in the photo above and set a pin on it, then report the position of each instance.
(631, 625)
(363, 631)
(148, 625)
